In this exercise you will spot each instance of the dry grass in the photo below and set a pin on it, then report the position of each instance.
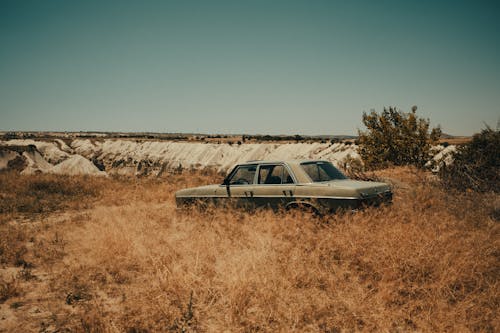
(459, 140)
(129, 261)
(45, 193)
(8, 289)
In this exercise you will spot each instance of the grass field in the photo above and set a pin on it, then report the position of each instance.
(114, 255)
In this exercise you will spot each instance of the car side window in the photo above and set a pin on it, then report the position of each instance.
(264, 172)
(274, 174)
(244, 175)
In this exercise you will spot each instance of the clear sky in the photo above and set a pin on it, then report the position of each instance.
(270, 67)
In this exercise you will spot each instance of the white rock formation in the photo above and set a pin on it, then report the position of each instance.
(5, 157)
(76, 165)
(441, 155)
(49, 150)
(36, 163)
(125, 156)
(129, 157)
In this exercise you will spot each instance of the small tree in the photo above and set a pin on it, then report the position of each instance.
(396, 138)
(476, 164)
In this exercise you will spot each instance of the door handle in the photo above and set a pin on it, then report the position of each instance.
(249, 194)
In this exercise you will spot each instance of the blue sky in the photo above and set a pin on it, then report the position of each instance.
(277, 67)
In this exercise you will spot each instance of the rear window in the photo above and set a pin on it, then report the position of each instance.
(322, 171)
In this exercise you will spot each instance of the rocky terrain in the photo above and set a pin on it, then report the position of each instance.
(131, 157)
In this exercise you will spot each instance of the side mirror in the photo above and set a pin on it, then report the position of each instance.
(225, 181)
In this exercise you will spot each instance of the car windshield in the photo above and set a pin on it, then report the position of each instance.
(322, 171)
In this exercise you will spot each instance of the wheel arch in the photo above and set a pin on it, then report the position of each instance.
(302, 204)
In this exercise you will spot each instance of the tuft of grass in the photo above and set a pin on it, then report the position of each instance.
(26, 274)
(186, 322)
(12, 244)
(8, 289)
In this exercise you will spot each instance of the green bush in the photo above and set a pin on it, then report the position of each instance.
(394, 137)
(476, 165)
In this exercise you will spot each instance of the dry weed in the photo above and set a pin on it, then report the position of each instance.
(12, 244)
(8, 288)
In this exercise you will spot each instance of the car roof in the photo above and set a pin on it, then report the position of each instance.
(291, 162)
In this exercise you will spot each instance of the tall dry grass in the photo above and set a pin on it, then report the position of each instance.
(44, 193)
(132, 262)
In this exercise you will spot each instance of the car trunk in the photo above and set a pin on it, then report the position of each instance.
(362, 187)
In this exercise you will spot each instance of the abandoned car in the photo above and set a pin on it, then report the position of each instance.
(314, 185)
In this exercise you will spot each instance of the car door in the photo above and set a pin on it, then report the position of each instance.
(238, 186)
(275, 186)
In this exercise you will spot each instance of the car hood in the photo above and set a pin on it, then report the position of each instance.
(364, 188)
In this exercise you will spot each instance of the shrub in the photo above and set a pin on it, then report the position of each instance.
(475, 164)
(397, 138)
